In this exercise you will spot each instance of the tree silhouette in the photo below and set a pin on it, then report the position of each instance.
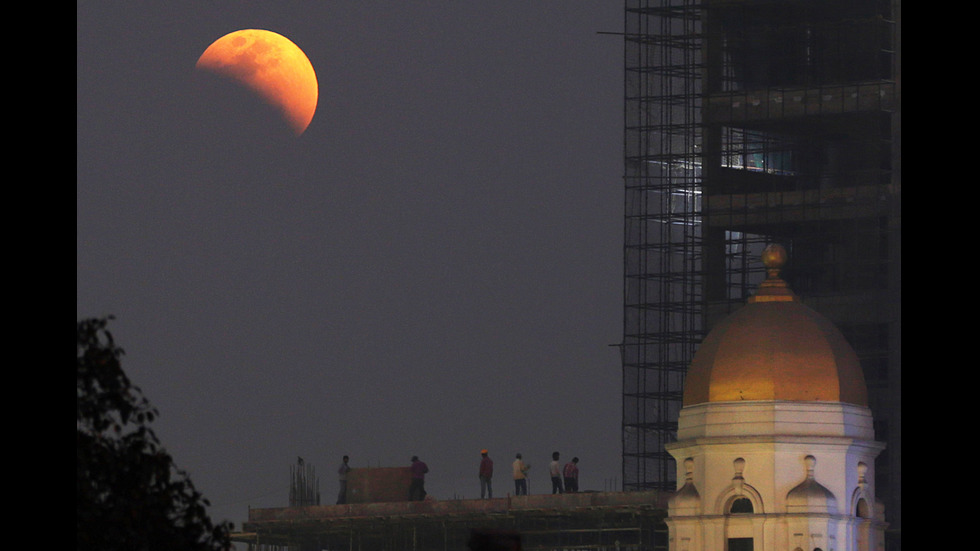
(130, 495)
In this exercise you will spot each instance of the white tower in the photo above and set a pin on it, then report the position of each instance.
(775, 445)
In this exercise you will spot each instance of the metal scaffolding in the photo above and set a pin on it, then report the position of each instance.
(304, 486)
(749, 122)
(663, 321)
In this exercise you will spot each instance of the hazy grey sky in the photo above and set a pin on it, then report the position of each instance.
(433, 268)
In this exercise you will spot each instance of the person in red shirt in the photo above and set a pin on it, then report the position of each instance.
(570, 474)
(486, 473)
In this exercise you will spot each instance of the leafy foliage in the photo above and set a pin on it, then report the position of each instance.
(130, 495)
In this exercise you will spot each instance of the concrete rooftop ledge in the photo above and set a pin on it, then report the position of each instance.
(460, 507)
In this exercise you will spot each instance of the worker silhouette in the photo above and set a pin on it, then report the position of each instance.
(416, 491)
(486, 474)
(520, 476)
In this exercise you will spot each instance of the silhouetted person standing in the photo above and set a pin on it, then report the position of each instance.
(342, 477)
(486, 473)
(570, 474)
(416, 491)
(520, 476)
(555, 469)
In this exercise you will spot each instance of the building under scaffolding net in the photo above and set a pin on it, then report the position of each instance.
(749, 122)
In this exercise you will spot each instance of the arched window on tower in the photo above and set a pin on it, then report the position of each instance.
(741, 505)
(862, 510)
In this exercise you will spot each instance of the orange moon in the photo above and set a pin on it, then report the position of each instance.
(270, 65)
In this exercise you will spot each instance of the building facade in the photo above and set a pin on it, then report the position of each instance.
(751, 122)
(776, 443)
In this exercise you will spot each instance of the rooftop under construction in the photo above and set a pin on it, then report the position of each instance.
(587, 520)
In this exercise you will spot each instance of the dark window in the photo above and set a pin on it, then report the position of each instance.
(741, 505)
(739, 544)
(863, 511)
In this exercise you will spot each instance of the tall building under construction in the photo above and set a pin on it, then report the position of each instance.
(749, 122)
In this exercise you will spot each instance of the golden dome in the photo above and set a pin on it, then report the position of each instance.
(775, 348)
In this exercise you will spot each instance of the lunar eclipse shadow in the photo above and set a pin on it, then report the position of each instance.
(227, 119)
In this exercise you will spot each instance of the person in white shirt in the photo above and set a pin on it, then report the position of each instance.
(555, 470)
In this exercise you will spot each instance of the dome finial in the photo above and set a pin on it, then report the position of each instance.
(773, 288)
(774, 258)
